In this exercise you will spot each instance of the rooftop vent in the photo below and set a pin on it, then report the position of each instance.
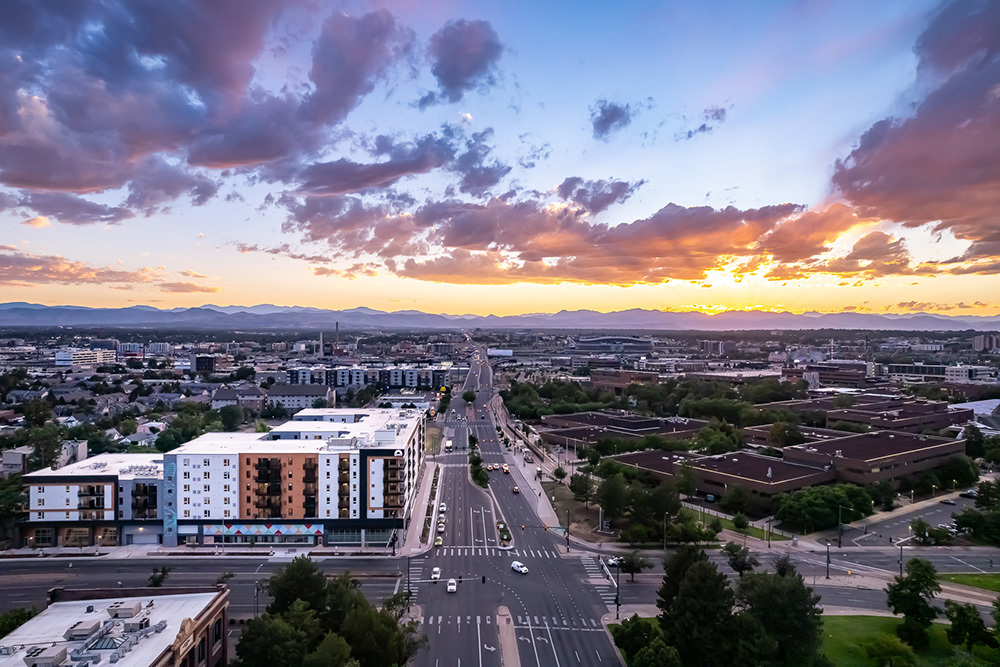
(82, 629)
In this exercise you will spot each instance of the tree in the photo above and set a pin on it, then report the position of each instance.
(889, 651)
(736, 499)
(299, 580)
(612, 495)
(967, 626)
(698, 624)
(559, 473)
(469, 396)
(633, 634)
(975, 442)
(36, 413)
(245, 373)
(271, 641)
(634, 563)
(741, 522)
(685, 481)
(786, 434)
(921, 531)
(231, 416)
(788, 612)
(157, 578)
(674, 570)
(581, 486)
(12, 499)
(657, 654)
(911, 596)
(333, 651)
(14, 619)
(323, 403)
(740, 558)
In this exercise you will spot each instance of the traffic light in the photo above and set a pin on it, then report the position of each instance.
(546, 528)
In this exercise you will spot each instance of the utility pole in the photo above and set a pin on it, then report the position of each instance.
(618, 589)
(828, 558)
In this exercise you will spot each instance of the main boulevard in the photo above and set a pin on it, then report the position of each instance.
(553, 615)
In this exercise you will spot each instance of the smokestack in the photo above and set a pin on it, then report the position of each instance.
(337, 334)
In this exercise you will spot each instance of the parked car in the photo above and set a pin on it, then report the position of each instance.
(443, 508)
(518, 566)
(948, 501)
(971, 493)
(435, 574)
(440, 527)
(452, 586)
(438, 541)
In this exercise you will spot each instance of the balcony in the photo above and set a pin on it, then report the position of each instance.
(267, 503)
(344, 465)
(344, 478)
(344, 502)
(272, 489)
(86, 491)
(92, 504)
(309, 477)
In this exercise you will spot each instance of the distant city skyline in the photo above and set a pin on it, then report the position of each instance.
(503, 158)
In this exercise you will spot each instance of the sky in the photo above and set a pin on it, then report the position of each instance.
(502, 157)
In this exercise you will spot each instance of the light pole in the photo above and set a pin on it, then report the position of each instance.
(828, 559)
(840, 524)
(769, 532)
(618, 589)
(901, 558)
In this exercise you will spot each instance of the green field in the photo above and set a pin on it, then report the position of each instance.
(844, 638)
(989, 582)
(752, 531)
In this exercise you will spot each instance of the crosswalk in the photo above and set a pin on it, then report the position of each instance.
(416, 574)
(607, 591)
(521, 623)
(489, 551)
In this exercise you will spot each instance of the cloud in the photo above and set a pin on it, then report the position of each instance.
(157, 182)
(25, 269)
(938, 167)
(464, 55)
(343, 176)
(191, 274)
(187, 288)
(712, 117)
(809, 234)
(479, 172)
(74, 210)
(607, 117)
(39, 221)
(595, 196)
(353, 272)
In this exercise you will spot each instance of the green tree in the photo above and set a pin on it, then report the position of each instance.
(788, 612)
(700, 619)
(889, 651)
(786, 434)
(559, 473)
(299, 580)
(739, 558)
(685, 481)
(633, 634)
(911, 596)
(736, 499)
(634, 563)
(12, 500)
(675, 568)
(15, 618)
(271, 641)
(36, 413)
(158, 576)
(657, 654)
(333, 651)
(231, 416)
(967, 626)
(469, 396)
(612, 495)
(323, 403)
(975, 442)
(741, 522)
(245, 373)
(304, 618)
(581, 486)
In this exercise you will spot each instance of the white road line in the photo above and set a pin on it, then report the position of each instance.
(552, 644)
(479, 642)
(531, 634)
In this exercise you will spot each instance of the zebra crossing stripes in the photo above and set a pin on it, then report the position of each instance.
(454, 620)
(491, 551)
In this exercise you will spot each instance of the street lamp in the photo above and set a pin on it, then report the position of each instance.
(769, 532)
(901, 558)
(828, 559)
(933, 490)
(618, 589)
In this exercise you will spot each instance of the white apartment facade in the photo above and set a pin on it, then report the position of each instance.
(76, 356)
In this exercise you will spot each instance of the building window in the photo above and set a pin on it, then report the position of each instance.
(328, 512)
(187, 475)
(187, 488)
(40, 515)
(289, 487)
(227, 514)
(187, 501)
(67, 515)
(226, 488)
(207, 474)
(225, 462)
(41, 489)
(206, 463)
(187, 514)
(206, 487)
(225, 475)
(41, 502)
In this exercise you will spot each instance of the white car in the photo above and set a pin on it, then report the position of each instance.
(518, 566)
(442, 518)
(435, 574)
(615, 560)
(452, 586)
(440, 527)
(443, 508)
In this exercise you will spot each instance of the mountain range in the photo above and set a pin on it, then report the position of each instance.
(268, 316)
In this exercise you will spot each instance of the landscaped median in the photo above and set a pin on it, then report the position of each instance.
(504, 531)
(989, 582)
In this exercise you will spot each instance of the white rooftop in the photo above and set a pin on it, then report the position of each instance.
(100, 633)
(125, 466)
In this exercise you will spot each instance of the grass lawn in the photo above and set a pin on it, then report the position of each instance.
(752, 531)
(989, 582)
(844, 638)
(583, 519)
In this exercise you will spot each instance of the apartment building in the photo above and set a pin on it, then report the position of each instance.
(106, 500)
(329, 476)
(298, 396)
(78, 356)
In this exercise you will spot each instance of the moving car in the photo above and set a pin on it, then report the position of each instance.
(948, 501)
(615, 561)
(518, 566)
(517, 490)
(506, 469)
(442, 518)
(971, 493)
(438, 541)
(435, 574)
(443, 508)
(452, 586)
(440, 527)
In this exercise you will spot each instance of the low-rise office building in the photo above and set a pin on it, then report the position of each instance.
(150, 627)
(76, 356)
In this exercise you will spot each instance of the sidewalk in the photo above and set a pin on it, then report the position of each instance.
(411, 541)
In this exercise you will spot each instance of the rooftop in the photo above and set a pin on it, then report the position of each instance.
(874, 445)
(124, 466)
(102, 629)
(759, 469)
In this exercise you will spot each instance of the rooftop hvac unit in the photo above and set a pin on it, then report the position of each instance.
(82, 629)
